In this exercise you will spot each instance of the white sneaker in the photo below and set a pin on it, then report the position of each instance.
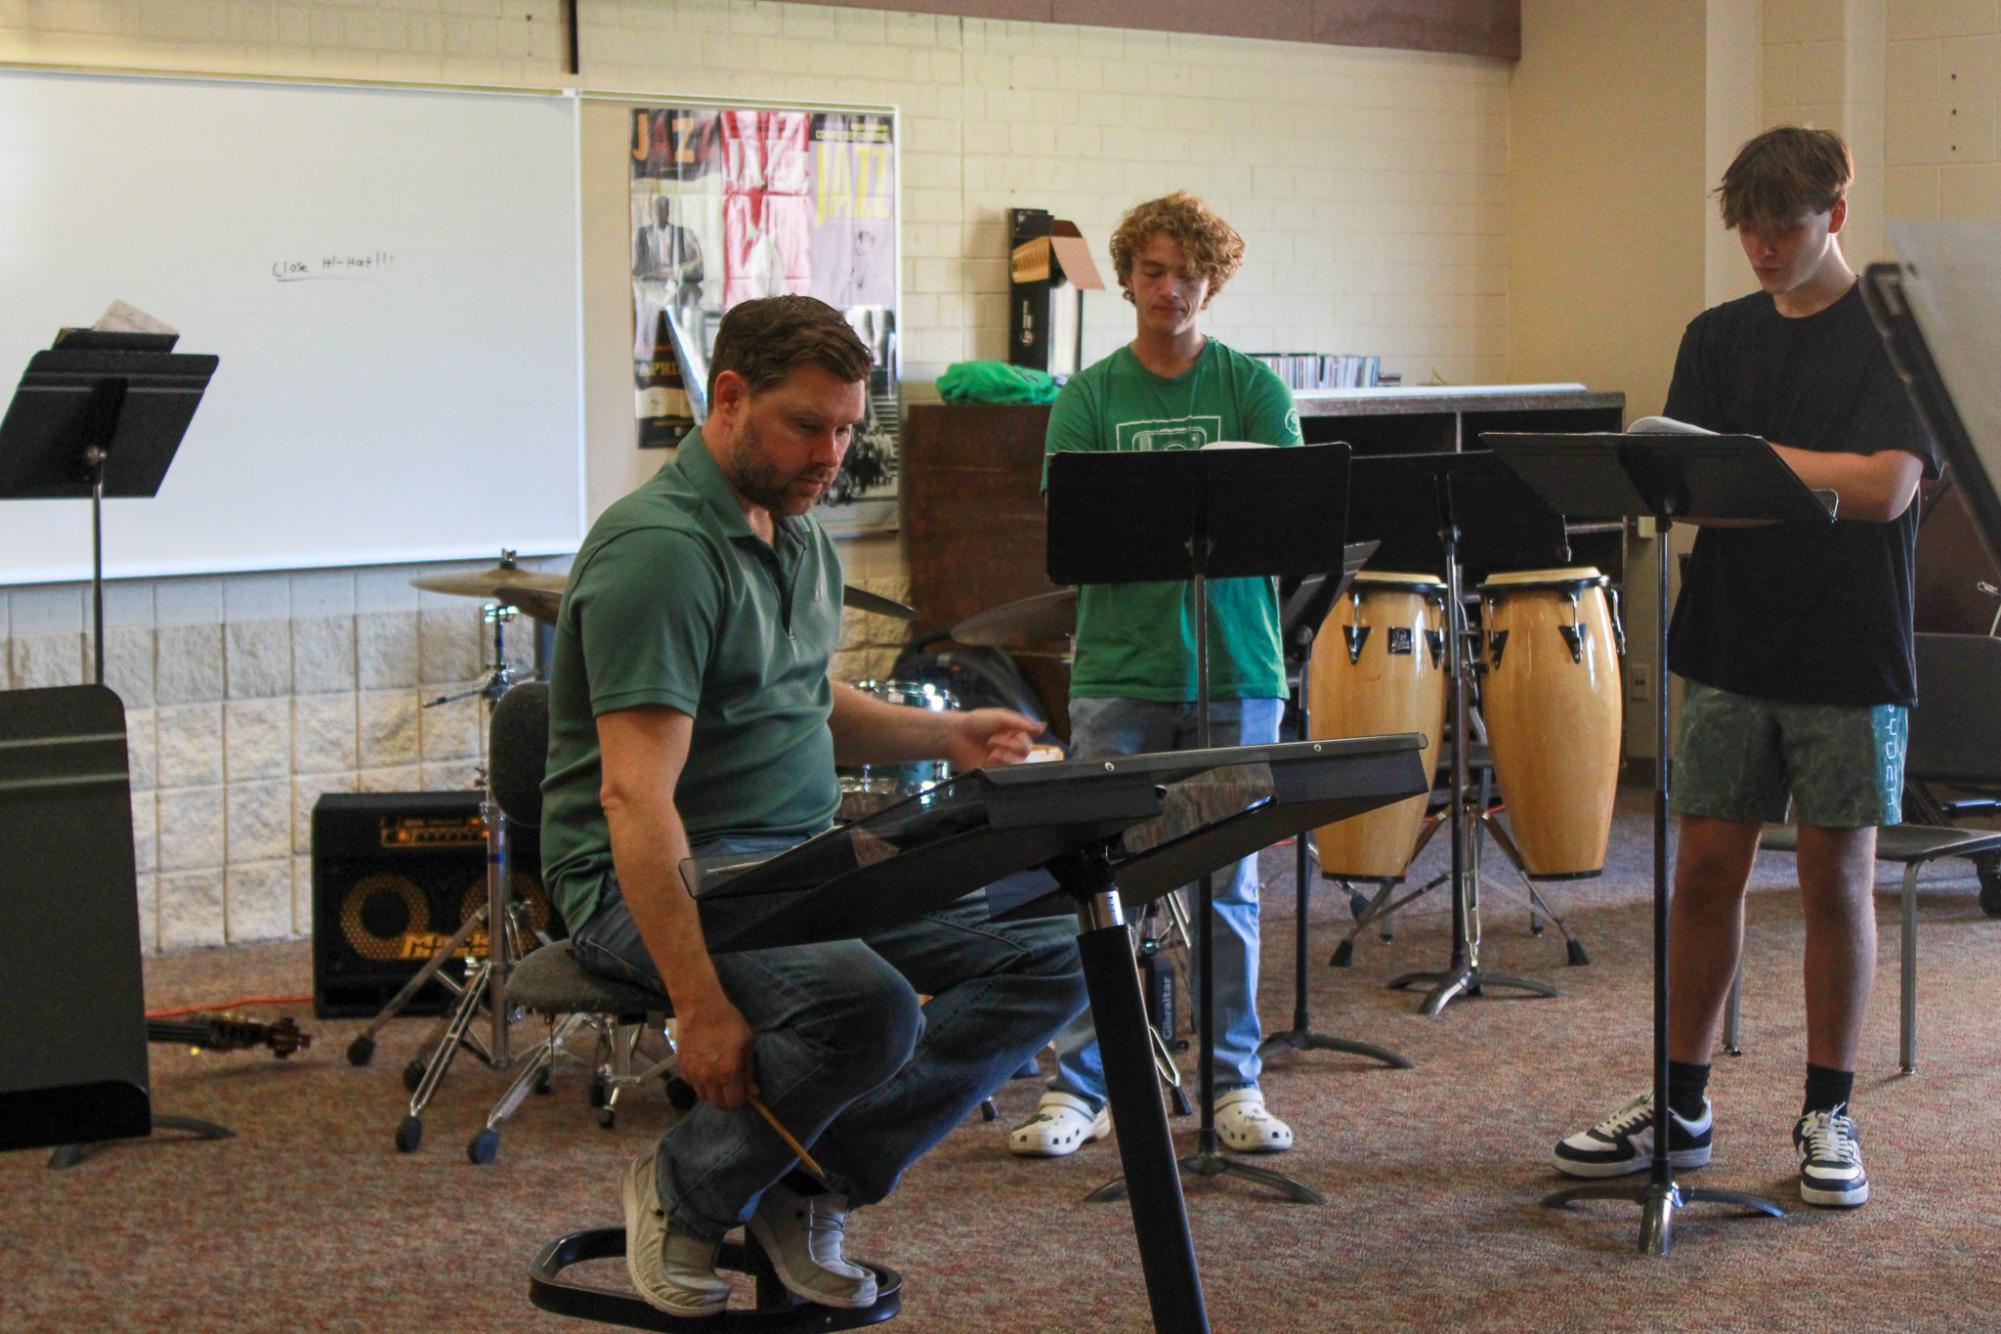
(1831, 1174)
(1244, 1125)
(1063, 1123)
(803, 1236)
(674, 1272)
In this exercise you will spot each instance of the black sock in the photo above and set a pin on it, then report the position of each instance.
(1827, 1089)
(799, 1183)
(1687, 1082)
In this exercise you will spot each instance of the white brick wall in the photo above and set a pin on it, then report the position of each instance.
(1942, 109)
(1369, 184)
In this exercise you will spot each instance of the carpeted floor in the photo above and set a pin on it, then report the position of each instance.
(310, 1219)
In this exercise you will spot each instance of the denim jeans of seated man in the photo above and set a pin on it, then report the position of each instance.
(1102, 727)
(845, 1057)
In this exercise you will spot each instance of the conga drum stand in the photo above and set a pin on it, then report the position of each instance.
(1463, 976)
(1411, 503)
(1605, 476)
(1201, 515)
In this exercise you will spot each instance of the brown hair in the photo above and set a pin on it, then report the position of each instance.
(762, 340)
(1783, 175)
(1213, 247)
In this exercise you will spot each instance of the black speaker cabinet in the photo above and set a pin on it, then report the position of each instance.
(395, 874)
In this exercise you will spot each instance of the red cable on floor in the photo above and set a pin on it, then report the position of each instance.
(229, 1005)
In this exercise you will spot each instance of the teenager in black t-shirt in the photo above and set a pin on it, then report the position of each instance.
(1794, 640)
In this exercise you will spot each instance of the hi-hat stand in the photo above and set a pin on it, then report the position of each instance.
(502, 922)
(1200, 515)
(1299, 626)
(1416, 505)
(1663, 478)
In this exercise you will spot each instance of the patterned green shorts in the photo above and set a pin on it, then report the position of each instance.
(1739, 758)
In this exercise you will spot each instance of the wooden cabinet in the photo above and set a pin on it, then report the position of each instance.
(973, 523)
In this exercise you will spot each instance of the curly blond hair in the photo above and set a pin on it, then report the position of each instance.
(1214, 249)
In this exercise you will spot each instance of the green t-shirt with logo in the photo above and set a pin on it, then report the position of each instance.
(673, 600)
(1137, 641)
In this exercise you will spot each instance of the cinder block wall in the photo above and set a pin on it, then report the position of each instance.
(1942, 109)
(1370, 185)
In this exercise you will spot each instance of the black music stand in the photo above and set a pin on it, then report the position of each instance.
(1200, 515)
(1299, 618)
(1449, 511)
(98, 415)
(73, 1063)
(1110, 834)
(1663, 477)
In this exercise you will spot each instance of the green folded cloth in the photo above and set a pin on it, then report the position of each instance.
(995, 382)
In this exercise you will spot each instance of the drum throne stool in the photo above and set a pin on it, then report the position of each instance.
(550, 982)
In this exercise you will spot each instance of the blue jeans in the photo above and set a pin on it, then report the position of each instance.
(845, 1056)
(1130, 727)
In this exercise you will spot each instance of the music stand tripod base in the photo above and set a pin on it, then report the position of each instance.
(1658, 1200)
(1639, 476)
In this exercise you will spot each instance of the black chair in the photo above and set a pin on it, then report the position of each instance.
(551, 982)
(1955, 738)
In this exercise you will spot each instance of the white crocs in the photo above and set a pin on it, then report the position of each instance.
(1245, 1125)
(1063, 1123)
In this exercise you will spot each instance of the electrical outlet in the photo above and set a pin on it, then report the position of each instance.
(1640, 687)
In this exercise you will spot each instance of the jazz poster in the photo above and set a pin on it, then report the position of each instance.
(730, 203)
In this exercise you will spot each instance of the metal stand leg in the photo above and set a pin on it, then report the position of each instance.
(1301, 1037)
(1907, 1012)
(1659, 1196)
(1146, 1149)
(69, 1155)
(1733, 1015)
(1463, 976)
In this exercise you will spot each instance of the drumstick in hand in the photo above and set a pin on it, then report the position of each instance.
(805, 1158)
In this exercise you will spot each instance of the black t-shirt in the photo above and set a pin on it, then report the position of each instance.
(1800, 612)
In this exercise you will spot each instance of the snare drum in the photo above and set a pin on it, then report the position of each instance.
(1552, 703)
(868, 788)
(1379, 667)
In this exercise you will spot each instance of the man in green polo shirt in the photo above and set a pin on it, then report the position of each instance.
(1133, 688)
(691, 714)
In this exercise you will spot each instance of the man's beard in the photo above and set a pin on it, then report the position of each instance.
(759, 480)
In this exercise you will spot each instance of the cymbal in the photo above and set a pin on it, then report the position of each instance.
(543, 604)
(488, 583)
(1045, 619)
(538, 603)
(863, 600)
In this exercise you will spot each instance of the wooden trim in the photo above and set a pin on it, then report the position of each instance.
(1490, 28)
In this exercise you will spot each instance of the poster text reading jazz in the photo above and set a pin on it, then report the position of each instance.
(852, 181)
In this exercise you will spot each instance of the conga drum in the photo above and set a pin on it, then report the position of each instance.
(1552, 703)
(1378, 667)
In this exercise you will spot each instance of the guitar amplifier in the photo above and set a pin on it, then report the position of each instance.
(395, 874)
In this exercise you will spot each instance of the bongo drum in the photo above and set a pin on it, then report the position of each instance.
(1378, 667)
(1552, 703)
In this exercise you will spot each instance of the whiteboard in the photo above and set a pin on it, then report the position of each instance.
(389, 276)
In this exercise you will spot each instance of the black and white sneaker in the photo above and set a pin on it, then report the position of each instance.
(1623, 1142)
(1831, 1174)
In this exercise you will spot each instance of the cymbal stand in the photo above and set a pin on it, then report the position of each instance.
(1463, 976)
(1301, 1037)
(489, 953)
